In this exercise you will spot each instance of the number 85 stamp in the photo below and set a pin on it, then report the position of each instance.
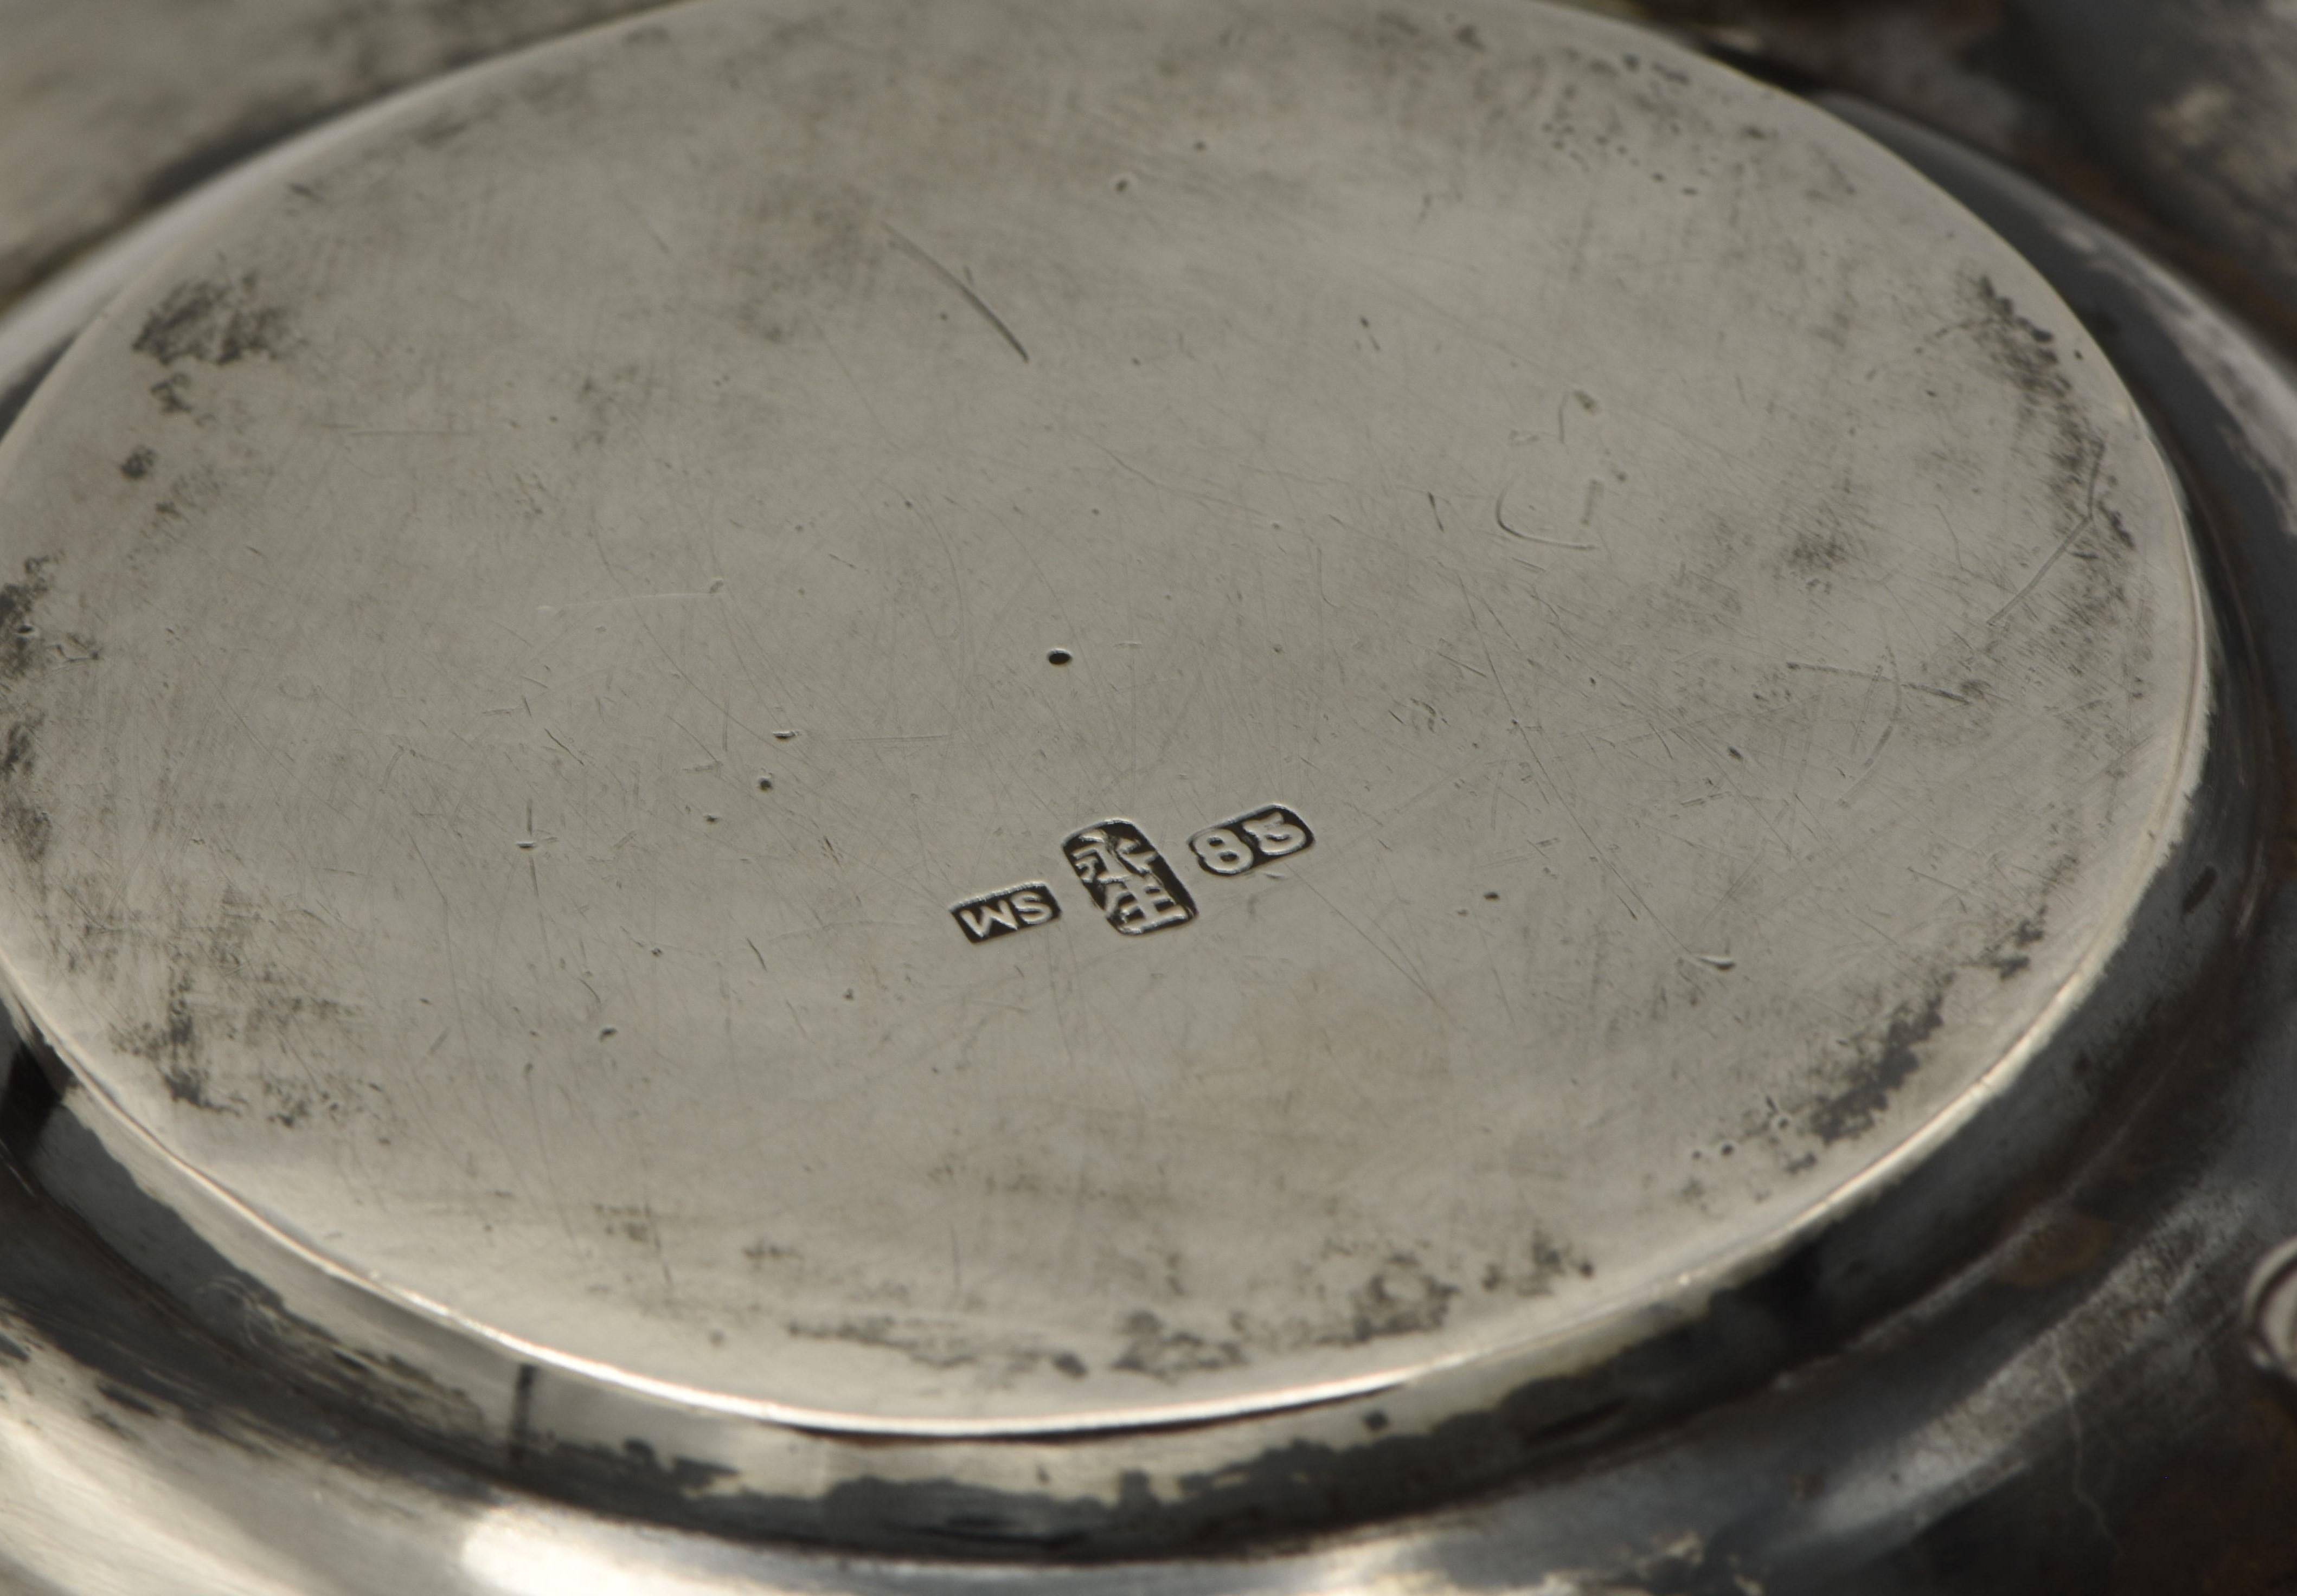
(1260, 836)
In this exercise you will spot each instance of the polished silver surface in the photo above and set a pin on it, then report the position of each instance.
(600, 618)
(2196, 101)
(2269, 1309)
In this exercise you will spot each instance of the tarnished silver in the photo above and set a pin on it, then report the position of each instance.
(109, 107)
(1266, 757)
(506, 914)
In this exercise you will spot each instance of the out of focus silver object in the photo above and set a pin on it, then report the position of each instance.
(1183, 796)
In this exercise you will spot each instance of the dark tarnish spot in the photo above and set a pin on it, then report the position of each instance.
(2021, 350)
(2005, 309)
(2004, 958)
(1163, 1354)
(290, 1103)
(172, 394)
(1550, 1260)
(138, 464)
(19, 638)
(23, 823)
(213, 320)
(937, 1344)
(190, 1086)
(631, 1224)
(1814, 554)
(240, 996)
(1885, 1057)
(16, 758)
(173, 1043)
(2090, 590)
(1886, 1068)
(1400, 1299)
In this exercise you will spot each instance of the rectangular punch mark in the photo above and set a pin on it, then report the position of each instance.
(1254, 838)
(1136, 890)
(1009, 909)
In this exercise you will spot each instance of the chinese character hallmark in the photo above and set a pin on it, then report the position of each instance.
(1136, 890)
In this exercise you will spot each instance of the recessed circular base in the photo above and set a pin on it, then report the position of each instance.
(947, 722)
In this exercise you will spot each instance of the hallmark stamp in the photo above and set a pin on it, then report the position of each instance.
(1137, 891)
(1004, 912)
(1239, 846)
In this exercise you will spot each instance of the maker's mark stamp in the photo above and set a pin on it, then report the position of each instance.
(1135, 888)
(1002, 913)
(1137, 891)
(1251, 840)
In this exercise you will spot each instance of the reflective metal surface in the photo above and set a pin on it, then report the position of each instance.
(508, 899)
(1203, 859)
(2196, 101)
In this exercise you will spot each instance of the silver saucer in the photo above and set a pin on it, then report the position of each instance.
(1054, 761)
